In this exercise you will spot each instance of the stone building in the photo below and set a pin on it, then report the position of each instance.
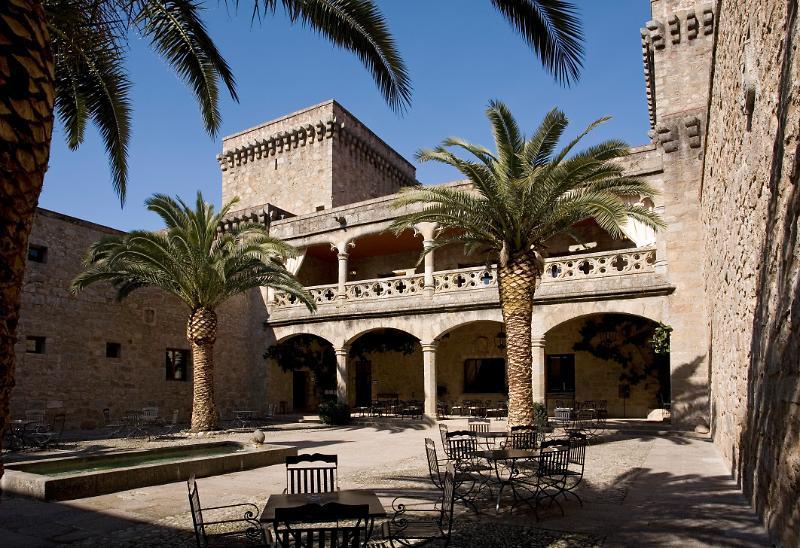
(722, 150)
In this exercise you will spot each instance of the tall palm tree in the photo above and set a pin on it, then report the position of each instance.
(199, 266)
(524, 194)
(67, 56)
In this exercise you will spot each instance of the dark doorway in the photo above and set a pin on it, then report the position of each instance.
(300, 390)
(363, 383)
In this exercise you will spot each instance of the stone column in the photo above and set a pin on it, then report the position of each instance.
(428, 232)
(342, 256)
(429, 377)
(429, 266)
(538, 366)
(341, 374)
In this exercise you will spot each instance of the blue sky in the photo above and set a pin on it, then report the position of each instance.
(460, 54)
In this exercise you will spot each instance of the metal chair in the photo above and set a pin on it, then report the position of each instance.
(109, 424)
(478, 425)
(319, 478)
(522, 437)
(420, 526)
(244, 530)
(48, 435)
(443, 434)
(576, 460)
(320, 526)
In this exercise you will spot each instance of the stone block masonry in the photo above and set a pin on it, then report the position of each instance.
(751, 211)
(73, 374)
(317, 158)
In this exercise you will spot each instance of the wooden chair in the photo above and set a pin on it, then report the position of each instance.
(318, 477)
(320, 526)
(420, 526)
(245, 530)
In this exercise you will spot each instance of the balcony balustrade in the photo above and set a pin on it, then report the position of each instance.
(559, 269)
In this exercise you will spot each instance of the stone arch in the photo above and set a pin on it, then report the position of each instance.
(445, 323)
(546, 317)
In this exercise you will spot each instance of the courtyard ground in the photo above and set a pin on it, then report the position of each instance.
(643, 487)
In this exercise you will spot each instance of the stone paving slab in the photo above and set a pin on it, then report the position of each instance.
(640, 489)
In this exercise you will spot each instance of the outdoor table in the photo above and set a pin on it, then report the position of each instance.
(506, 474)
(345, 496)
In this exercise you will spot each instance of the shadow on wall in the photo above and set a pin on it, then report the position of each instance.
(689, 394)
(769, 461)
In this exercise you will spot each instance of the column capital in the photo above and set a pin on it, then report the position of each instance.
(342, 256)
(342, 247)
(342, 350)
(426, 229)
(429, 346)
(537, 341)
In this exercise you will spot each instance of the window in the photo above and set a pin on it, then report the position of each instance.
(34, 345)
(113, 350)
(176, 361)
(320, 208)
(37, 253)
(561, 373)
(486, 375)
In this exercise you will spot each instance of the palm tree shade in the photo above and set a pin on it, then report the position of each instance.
(198, 265)
(523, 194)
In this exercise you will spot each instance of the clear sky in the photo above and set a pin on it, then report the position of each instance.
(460, 54)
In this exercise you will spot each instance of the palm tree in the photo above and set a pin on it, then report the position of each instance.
(199, 266)
(67, 57)
(522, 195)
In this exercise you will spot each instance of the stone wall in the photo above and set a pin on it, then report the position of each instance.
(75, 377)
(318, 157)
(751, 209)
(676, 46)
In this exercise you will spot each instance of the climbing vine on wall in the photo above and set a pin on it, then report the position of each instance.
(316, 355)
(306, 352)
(627, 340)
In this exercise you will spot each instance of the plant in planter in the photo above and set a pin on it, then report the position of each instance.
(334, 413)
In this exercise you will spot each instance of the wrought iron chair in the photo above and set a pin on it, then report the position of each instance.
(466, 482)
(245, 530)
(44, 435)
(522, 437)
(418, 527)
(478, 425)
(443, 434)
(319, 478)
(321, 526)
(576, 460)
(113, 426)
(552, 468)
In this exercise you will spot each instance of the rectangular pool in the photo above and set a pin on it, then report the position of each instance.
(79, 477)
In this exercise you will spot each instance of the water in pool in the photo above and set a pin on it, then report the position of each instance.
(107, 462)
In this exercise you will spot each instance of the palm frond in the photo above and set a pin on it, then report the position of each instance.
(178, 34)
(553, 30)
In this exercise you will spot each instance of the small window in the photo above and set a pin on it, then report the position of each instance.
(486, 376)
(176, 364)
(37, 253)
(34, 345)
(561, 373)
(113, 350)
(320, 208)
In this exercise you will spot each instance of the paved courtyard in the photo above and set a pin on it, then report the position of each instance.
(642, 487)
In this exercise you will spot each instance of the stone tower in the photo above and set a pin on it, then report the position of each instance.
(677, 51)
(316, 158)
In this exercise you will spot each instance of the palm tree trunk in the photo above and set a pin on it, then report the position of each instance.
(517, 282)
(26, 126)
(201, 330)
